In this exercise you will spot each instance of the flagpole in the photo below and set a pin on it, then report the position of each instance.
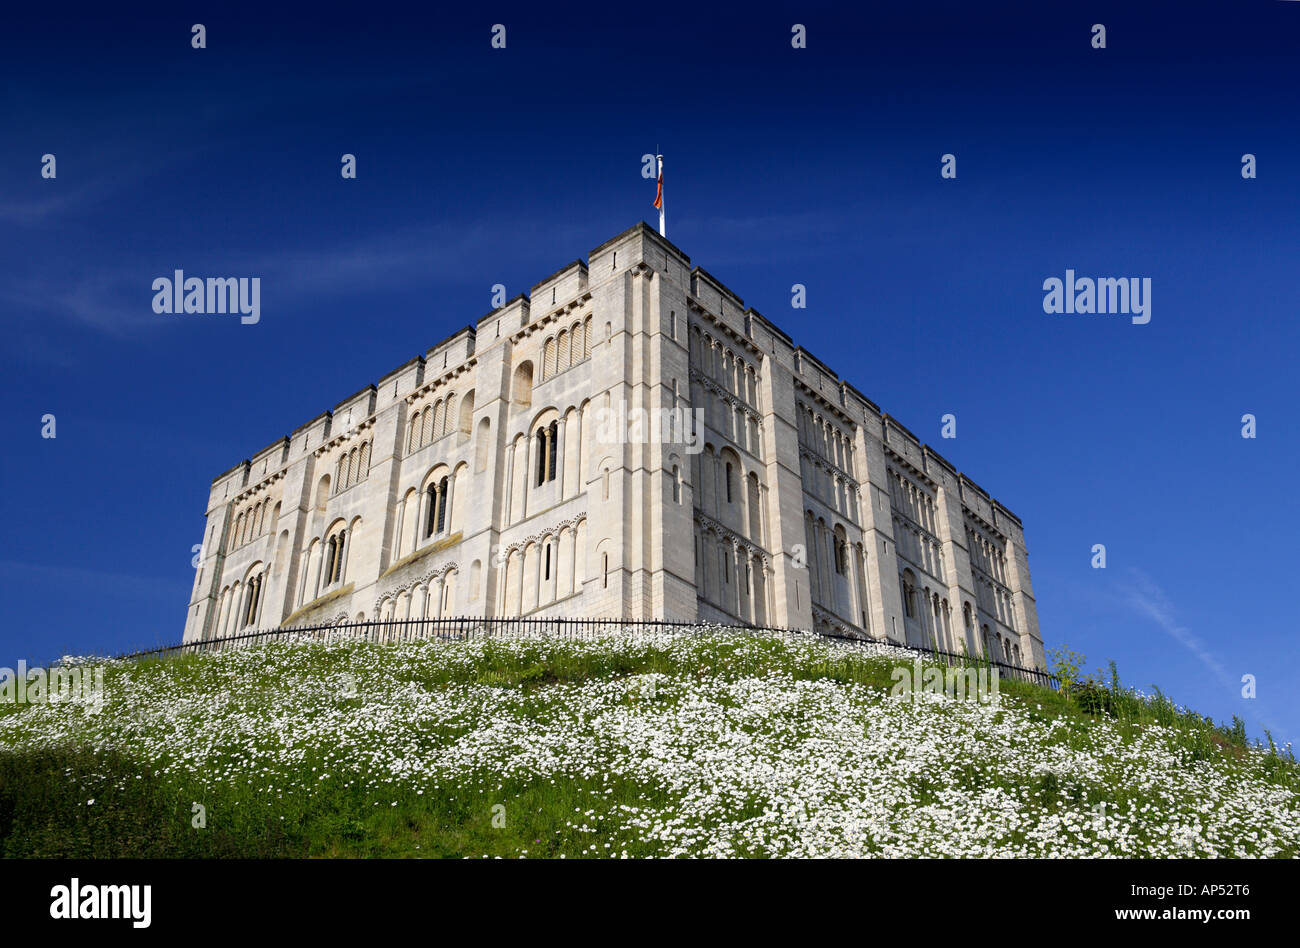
(662, 232)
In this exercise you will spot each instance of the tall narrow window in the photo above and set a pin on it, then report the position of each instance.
(442, 504)
(546, 572)
(431, 498)
(553, 448)
(677, 486)
(729, 475)
(254, 597)
(329, 560)
(604, 568)
(541, 456)
(338, 558)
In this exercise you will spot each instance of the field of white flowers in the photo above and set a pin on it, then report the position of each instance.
(715, 744)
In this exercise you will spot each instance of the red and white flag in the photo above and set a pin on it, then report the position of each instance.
(659, 196)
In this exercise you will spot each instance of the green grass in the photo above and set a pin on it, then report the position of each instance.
(142, 808)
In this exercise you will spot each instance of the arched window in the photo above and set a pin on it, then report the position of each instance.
(431, 504)
(541, 457)
(442, 504)
(730, 477)
(482, 445)
(521, 386)
(253, 599)
(547, 452)
(465, 424)
(448, 415)
(331, 554)
(475, 569)
(339, 541)
(553, 449)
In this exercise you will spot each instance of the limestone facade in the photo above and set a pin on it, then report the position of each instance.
(626, 440)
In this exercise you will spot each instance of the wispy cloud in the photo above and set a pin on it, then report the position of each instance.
(1144, 596)
(38, 210)
(1149, 600)
(99, 299)
(115, 297)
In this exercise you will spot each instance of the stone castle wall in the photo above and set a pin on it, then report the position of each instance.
(628, 439)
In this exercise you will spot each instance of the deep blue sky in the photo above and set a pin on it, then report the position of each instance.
(816, 166)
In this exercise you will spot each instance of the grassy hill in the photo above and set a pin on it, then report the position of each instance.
(710, 744)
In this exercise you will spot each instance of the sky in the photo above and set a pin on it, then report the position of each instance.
(818, 166)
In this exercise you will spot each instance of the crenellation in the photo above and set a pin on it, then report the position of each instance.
(560, 288)
(865, 410)
(398, 384)
(946, 471)
(450, 352)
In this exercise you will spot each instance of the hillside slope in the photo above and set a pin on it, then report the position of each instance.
(709, 744)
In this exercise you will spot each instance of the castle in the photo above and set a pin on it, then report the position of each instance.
(506, 472)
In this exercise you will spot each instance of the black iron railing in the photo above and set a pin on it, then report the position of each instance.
(465, 628)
